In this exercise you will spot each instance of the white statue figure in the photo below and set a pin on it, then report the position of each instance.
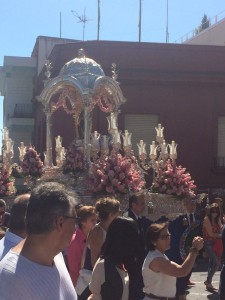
(159, 135)
(48, 66)
(159, 131)
(58, 141)
(8, 152)
(112, 122)
(95, 140)
(5, 133)
(22, 150)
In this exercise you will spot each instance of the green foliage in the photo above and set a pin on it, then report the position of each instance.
(205, 23)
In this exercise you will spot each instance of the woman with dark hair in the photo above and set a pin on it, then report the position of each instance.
(110, 280)
(212, 227)
(159, 273)
(107, 210)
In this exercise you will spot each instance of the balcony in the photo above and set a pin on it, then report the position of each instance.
(23, 110)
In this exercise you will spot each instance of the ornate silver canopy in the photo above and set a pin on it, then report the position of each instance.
(79, 87)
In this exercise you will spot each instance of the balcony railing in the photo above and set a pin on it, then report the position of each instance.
(194, 32)
(23, 110)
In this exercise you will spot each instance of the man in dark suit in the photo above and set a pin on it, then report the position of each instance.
(135, 211)
(177, 228)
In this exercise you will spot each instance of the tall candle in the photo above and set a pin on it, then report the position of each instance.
(141, 147)
(153, 148)
(126, 138)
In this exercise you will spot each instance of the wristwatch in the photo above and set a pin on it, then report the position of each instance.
(193, 250)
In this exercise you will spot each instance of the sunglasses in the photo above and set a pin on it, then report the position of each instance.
(74, 218)
(215, 212)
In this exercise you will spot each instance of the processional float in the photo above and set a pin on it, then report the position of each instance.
(81, 86)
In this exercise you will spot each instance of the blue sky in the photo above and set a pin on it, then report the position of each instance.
(22, 21)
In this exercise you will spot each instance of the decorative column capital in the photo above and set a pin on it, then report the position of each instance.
(47, 111)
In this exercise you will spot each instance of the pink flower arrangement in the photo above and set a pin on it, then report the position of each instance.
(7, 187)
(116, 174)
(74, 161)
(32, 164)
(173, 180)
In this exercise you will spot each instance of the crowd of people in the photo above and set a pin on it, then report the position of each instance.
(53, 247)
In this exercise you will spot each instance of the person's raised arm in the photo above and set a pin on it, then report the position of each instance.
(168, 267)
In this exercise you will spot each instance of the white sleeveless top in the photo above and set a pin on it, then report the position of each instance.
(157, 283)
(104, 232)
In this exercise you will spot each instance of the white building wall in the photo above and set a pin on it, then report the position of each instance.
(17, 84)
(213, 35)
(17, 80)
(45, 46)
(18, 90)
(19, 75)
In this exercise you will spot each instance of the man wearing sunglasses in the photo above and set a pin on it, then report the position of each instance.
(186, 223)
(35, 268)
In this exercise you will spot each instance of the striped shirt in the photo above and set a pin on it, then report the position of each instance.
(23, 279)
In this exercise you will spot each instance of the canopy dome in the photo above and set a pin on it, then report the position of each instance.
(82, 65)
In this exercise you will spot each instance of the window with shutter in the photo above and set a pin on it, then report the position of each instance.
(142, 127)
(221, 143)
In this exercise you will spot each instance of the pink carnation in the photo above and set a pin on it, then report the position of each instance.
(173, 180)
(117, 174)
(32, 164)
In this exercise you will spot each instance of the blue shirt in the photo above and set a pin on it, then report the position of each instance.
(9, 241)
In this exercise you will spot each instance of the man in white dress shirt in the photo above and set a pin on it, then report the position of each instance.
(17, 228)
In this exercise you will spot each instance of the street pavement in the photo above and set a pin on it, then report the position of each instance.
(198, 291)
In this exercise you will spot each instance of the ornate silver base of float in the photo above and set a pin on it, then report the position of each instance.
(80, 185)
(158, 205)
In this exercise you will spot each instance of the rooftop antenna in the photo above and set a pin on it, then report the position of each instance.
(140, 20)
(167, 21)
(60, 25)
(98, 19)
(81, 19)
